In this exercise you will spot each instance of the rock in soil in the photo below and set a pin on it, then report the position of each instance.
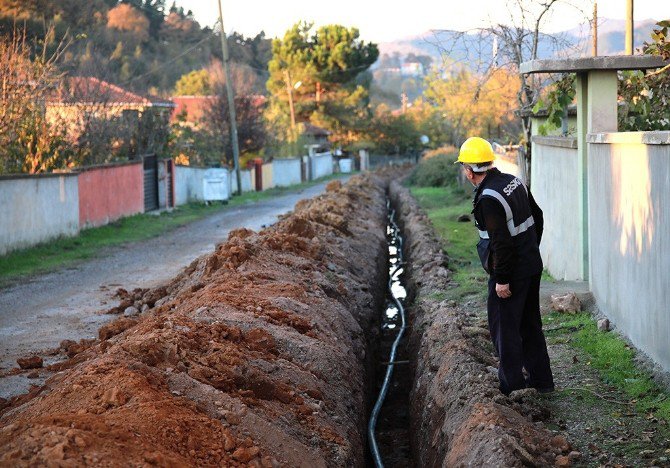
(114, 328)
(72, 348)
(519, 395)
(30, 362)
(604, 325)
(568, 303)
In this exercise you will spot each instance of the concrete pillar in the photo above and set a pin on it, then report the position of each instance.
(596, 112)
(582, 171)
(602, 101)
(307, 165)
(365, 162)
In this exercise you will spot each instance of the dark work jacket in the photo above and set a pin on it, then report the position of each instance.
(510, 227)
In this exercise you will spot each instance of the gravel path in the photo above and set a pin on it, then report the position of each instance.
(42, 311)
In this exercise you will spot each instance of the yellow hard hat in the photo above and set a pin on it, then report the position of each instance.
(475, 150)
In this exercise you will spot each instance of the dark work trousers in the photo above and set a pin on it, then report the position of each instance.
(516, 331)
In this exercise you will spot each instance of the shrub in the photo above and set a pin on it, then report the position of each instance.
(437, 170)
(447, 150)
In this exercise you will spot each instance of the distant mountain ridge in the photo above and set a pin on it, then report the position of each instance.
(458, 46)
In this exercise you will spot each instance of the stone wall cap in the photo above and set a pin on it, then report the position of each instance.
(291, 158)
(583, 64)
(109, 165)
(660, 137)
(560, 141)
(41, 175)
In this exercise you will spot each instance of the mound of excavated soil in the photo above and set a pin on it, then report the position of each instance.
(255, 354)
(458, 415)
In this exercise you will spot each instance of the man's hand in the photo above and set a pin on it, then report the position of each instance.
(502, 290)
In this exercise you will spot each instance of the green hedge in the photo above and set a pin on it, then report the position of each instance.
(438, 170)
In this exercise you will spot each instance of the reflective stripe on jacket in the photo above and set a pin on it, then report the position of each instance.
(520, 213)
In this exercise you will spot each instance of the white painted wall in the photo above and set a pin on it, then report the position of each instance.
(629, 235)
(379, 160)
(555, 188)
(267, 176)
(245, 175)
(322, 165)
(286, 172)
(188, 184)
(35, 209)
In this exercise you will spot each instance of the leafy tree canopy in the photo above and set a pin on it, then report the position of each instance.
(324, 70)
(474, 105)
(195, 83)
(125, 17)
(141, 45)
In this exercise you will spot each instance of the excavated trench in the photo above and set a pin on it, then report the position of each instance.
(271, 351)
(388, 426)
(256, 355)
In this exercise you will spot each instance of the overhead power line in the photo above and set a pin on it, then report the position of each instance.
(165, 64)
(183, 53)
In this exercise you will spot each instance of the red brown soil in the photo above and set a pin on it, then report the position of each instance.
(458, 415)
(255, 355)
(30, 362)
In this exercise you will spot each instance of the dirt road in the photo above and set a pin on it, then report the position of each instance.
(41, 312)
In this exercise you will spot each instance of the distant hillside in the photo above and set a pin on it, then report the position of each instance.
(141, 45)
(612, 34)
(446, 47)
(459, 46)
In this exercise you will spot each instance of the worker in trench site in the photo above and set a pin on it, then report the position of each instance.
(510, 228)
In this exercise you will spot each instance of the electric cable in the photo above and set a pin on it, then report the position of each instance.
(374, 448)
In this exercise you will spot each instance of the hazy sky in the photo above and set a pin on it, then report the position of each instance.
(383, 20)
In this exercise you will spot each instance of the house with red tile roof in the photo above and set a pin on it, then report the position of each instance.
(82, 101)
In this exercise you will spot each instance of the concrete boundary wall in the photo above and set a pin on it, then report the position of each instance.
(247, 182)
(286, 172)
(267, 176)
(556, 189)
(37, 208)
(110, 192)
(189, 184)
(629, 235)
(379, 160)
(322, 165)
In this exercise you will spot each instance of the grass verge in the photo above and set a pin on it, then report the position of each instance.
(444, 205)
(614, 360)
(65, 251)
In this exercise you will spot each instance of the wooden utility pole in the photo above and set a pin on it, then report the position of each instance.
(231, 103)
(289, 90)
(630, 27)
(594, 49)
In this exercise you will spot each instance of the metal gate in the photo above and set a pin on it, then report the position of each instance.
(150, 182)
(170, 182)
